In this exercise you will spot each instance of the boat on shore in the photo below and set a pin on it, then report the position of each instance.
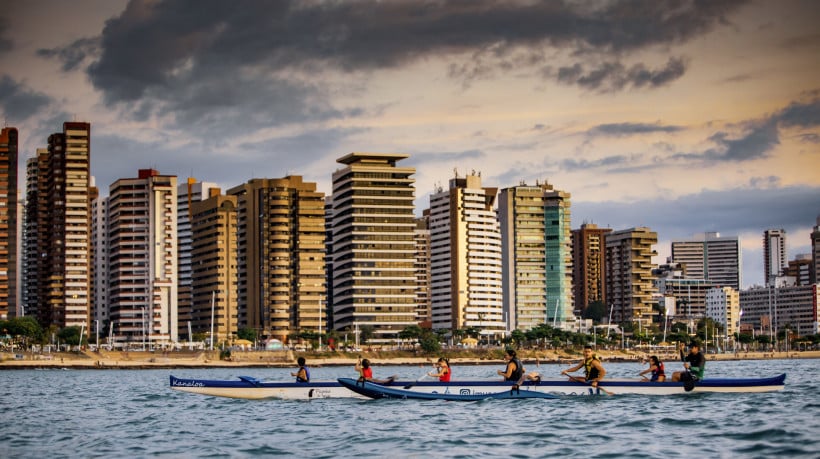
(463, 390)
(371, 390)
(248, 387)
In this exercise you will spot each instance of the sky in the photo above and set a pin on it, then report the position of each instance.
(684, 116)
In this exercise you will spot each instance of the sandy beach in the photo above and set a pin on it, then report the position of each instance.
(210, 359)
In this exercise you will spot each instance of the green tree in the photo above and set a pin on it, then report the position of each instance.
(366, 333)
(69, 335)
(246, 333)
(517, 338)
(595, 311)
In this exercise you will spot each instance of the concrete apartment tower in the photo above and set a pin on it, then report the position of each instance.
(281, 253)
(422, 263)
(815, 253)
(465, 259)
(142, 249)
(58, 230)
(8, 222)
(536, 244)
(374, 279)
(187, 193)
(630, 289)
(589, 266)
(34, 215)
(710, 257)
(213, 267)
(774, 254)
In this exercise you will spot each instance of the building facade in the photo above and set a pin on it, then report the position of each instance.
(589, 266)
(421, 236)
(58, 230)
(213, 268)
(769, 310)
(536, 244)
(774, 254)
(723, 306)
(8, 222)
(815, 253)
(374, 281)
(281, 257)
(187, 193)
(711, 257)
(465, 258)
(142, 259)
(630, 287)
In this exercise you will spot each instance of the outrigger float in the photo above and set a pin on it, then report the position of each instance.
(248, 387)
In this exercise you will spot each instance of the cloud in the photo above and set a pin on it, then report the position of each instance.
(6, 44)
(614, 163)
(614, 76)
(160, 58)
(18, 102)
(628, 129)
(73, 55)
(760, 137)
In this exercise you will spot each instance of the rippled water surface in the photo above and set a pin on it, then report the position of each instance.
(133, 413)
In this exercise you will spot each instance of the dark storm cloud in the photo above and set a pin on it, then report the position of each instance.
(628, 129)
(116, 157)
(73, 55)
(614, 76)
(176, 55)
(760, 137)
(6, 44)
(18, 102)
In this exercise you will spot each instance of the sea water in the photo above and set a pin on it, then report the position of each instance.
(134, 413)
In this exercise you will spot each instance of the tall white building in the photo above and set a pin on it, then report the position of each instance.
(537, 255)
(374, 280)
(142, 244)
(774, 254)
(711, 257)
(465, 258)
(187, 194)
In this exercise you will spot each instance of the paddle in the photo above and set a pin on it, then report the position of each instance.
(416, 382)
(686, 377)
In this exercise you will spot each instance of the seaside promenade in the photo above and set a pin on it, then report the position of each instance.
(280, 359)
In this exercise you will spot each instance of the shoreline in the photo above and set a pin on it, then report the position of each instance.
(115, 360)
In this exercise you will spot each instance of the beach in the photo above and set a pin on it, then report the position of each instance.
(278, 359)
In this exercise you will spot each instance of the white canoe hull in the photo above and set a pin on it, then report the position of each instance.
(251, 388)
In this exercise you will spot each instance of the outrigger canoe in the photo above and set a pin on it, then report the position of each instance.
(371, 390)
(248, 387)
(251, 388)
(476, 390)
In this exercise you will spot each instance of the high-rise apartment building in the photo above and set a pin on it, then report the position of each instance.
(465, 258)
(537, 255)
(710, 257)
(422, 264)
(8, 222)
(142, 258)
(281, 256)
(213, 267)
(798, 270)
(771, 309)
(630, 289)
(58, 229)
(187, 193)
(100, 313)
(588, 266)
(34, 218)
(815, 253)
(374, 279)
(774, 254)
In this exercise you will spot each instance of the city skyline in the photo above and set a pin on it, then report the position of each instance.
(684, 120)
